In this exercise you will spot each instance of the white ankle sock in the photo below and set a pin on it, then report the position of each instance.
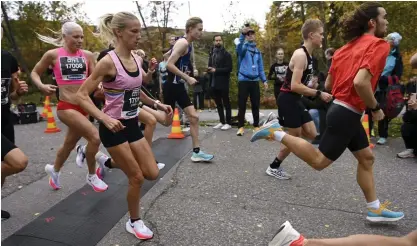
(279, 135)
(373, 205)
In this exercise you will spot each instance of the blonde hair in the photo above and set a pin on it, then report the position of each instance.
(66, 29)
(192, 22)
(109, 22)
(311, 25)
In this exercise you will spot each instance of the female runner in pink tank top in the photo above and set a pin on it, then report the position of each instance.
(122, 77)
(71, 66)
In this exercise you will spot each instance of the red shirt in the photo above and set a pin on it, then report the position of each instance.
(367, 52)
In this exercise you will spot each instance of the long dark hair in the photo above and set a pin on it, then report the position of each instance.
(356, 24)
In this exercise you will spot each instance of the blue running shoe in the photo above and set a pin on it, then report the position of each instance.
(383, 214)
(266, 131)
(201, 157)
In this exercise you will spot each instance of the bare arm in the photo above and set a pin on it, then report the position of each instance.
(103, 68)
(14, 87)
(40, 67)
(328, 85)
(179, 48)
(363, 87)
(299, 61)
(145, 99)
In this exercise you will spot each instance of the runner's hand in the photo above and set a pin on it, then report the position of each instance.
(326, 96)
(48, 89)
(191, 80)
(266, 86)
(154, 64)
(378, 115)
(166, 108)
(113, 124)
(22, 89)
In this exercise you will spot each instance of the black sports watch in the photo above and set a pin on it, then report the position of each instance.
(377, 108)
(318, 93)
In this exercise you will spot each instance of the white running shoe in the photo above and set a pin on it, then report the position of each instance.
(278, 173)
(53, 177)
(287, 236)
(218, 126)
(97, 184)
(160, 165)
(408, 153)
(226, 127)
(101, 159)
(139, 229)
(80, 159)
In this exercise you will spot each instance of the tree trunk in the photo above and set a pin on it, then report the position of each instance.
(322, 11)
(14, 44)
(144, 25)
(303, 17)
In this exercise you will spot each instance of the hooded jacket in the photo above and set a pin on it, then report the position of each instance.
(251, 66)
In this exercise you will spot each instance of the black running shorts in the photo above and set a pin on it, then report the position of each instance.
(291, 111)
(131, 133)
(344, 130)
(6, 146)
(176, 93)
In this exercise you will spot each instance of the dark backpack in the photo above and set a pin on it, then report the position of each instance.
(394, 102)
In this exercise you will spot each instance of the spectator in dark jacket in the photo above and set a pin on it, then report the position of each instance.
(219, 68)
(393, 67)
(409, 129)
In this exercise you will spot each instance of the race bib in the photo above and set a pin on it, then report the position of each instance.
(5, 89)
(131, 103)
(73, 68)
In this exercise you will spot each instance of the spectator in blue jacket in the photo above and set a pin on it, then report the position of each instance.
(250, 71)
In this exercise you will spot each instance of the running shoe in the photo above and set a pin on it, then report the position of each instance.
(218, 126)
(139, 229)
(267, 131)
(80, 159)
(226, 127)
(408, 153)
(278, 173)
(53, 177)
(97, 184)
(160, 165)
(102, 159)
(4, 215)
(271, 116)
(287, 236)
(382, 141)
(201, 157)
(240, 132)
(383, 214)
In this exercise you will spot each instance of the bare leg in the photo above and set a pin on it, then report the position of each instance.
(193, 117)
(306, 152)
(123, 156)
(150, 122)
(366, 240)
(365, 174)
(14, 162)
(284, 152)
(79, 125)
(160, 116)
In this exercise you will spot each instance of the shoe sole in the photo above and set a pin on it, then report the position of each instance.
(200, 160)
(131, 231)
(383, 219)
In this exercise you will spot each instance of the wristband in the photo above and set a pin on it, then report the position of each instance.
(377, 108)
(318, 93)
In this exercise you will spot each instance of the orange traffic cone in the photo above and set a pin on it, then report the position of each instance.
(45, 107)
(176, 132)
(51, 125)
(365, 124)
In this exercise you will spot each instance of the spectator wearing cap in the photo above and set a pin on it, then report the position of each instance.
(393, 67)
(250, 72)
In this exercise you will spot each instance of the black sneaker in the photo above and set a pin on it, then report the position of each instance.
(4, 215)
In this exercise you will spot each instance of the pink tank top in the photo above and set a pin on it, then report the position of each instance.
(122, 94)
(70, 69)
